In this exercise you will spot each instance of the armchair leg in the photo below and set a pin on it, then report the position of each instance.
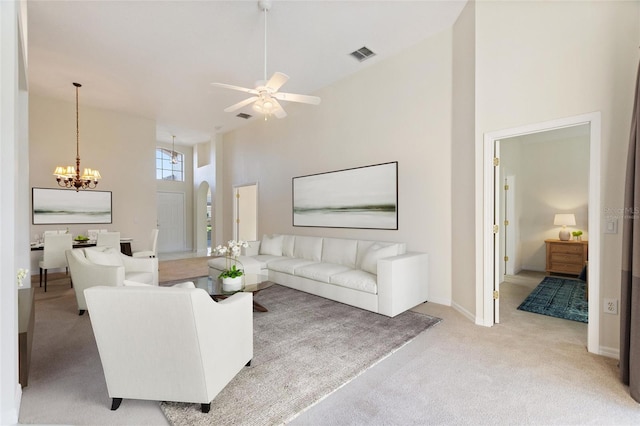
(115, 403)
(81, 312)
(45, 280)
(206, 407)
(40, 277)
(248, 364)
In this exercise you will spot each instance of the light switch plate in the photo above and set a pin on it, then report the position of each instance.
(611, 227)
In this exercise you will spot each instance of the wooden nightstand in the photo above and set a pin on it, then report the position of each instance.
(566, 257)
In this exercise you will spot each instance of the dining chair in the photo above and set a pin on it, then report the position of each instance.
(54, 256)
(93, 234)
(111, 239)
(152, 250)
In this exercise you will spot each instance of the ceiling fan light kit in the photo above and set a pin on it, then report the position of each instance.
(265, 96)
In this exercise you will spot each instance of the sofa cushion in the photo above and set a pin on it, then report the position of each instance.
(357, 280)
(271, 244)
(340, 251)
(265, 259)
(321, 271)
(309, 248)
(377, 251)
(287, 245)
(107, 257)
(248, 264)
(289, 266)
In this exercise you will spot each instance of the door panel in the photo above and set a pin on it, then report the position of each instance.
(171, 223)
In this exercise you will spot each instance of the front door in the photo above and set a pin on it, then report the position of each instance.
(171, 224)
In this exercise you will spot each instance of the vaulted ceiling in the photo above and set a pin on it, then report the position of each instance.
(156, 59)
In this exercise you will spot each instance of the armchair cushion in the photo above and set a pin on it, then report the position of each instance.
(108, 257)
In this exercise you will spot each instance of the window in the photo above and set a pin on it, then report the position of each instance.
(167, 169)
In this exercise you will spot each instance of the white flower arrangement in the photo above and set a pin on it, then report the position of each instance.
(21, 275)
(233, 249)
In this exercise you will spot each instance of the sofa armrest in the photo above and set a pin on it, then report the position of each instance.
(252, 250)
(403, 282)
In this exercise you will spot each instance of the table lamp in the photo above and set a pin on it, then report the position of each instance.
(564, 219)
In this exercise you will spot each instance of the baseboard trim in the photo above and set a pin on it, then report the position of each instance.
(464, 312)
(609, 352)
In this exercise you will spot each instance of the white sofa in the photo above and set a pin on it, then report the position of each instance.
(169, 344)
(377, 276)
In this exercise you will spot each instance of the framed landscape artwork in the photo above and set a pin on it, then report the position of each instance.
(66, 206)
(363, 197)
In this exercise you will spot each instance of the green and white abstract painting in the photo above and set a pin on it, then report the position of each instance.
(362, 197)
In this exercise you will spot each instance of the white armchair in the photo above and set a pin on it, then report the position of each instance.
(93, 266)
(169, 344)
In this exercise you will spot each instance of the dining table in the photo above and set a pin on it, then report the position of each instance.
(125, 245)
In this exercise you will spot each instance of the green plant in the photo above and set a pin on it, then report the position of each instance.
(232, 272)
(576, 233)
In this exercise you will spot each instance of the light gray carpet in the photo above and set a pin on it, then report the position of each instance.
(305, 347)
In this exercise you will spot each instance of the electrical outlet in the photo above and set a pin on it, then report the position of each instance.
(611, 306)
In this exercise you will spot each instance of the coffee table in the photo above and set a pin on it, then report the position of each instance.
(253, 283)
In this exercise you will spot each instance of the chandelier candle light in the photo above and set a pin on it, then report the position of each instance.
(69, 177)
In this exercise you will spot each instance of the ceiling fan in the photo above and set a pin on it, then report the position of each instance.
(265, 96)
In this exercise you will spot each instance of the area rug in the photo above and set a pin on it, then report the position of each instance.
(305, 348)
(560, 298)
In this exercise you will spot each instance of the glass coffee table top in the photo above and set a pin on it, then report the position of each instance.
(253, 283)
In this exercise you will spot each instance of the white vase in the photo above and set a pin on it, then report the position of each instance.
(232, 284)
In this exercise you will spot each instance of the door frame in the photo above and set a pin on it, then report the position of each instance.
(484, 289)
(236, 188)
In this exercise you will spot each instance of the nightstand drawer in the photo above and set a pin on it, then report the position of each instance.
(567, 248)
(575, 259)
(566, 268)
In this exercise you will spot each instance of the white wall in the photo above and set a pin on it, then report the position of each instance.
(121, 146)
(539, 61)
(463, 167)
(13, 204)
(395, 110)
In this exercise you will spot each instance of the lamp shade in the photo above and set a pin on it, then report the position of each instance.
(565, 219)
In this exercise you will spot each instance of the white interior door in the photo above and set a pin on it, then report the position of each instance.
(171, 223)
(246, 213)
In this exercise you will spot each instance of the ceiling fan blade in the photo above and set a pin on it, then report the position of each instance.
(278, 111)
(292, 97)
(232, 87)
(276, 81)
(241, 104)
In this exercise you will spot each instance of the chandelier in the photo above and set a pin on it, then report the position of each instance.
(69, 177)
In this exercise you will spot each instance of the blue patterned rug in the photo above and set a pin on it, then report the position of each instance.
(560, 298)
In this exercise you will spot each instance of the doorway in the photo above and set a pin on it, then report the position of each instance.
(245, 212)
(491, 264)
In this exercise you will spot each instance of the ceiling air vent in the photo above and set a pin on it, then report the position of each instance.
(362, 53)
(245, 116)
